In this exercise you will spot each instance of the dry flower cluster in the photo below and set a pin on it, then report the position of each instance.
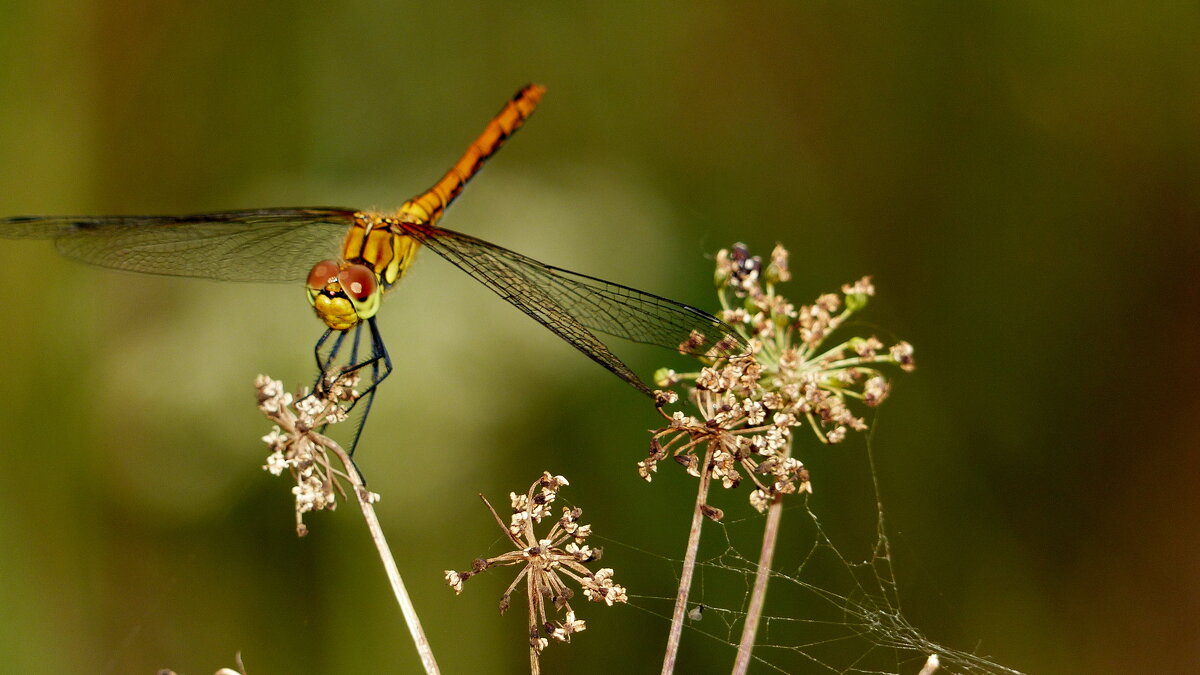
(562, 552)
(749, 404)
(297, 447)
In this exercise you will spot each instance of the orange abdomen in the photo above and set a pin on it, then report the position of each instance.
(380, 242)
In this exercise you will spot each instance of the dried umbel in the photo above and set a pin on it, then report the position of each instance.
(297, 447)
(549, 564)
(748, 405)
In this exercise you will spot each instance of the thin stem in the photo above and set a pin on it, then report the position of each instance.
(500, 522)
(389, 563)
(852, 361)
(812, 422)
(689, 566)
(758, 595)
(535, 666)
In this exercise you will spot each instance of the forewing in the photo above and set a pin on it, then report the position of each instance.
(258, 245)
(574, 305)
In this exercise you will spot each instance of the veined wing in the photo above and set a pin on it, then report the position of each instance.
(575, 306)
(253, 245)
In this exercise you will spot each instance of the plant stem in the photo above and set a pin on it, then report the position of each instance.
(758, 595)
(389, 563)
(535, 665)
(689, 566)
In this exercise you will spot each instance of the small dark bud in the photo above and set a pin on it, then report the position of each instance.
(656, 449)
(689, 462)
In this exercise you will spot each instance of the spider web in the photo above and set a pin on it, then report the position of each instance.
(830, 608)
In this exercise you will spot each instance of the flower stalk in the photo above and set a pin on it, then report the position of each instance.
(689, 566)
(758, 595)
(297, 448)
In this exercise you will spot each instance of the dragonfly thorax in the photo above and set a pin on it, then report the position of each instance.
(343, 293)
(382, 244)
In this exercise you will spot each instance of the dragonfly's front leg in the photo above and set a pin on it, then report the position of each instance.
(379, 354)
(325, 363)
(331, 372)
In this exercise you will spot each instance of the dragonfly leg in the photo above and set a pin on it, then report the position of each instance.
(362, 422)
(379, 355)
(325, 364)
(327, 368)
(377, 366)
(319, 345)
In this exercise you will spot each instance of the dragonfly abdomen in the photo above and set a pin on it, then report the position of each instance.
(427, 208)
(381, 244)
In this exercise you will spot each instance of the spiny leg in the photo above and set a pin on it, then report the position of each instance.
(379, 354)
(325, 364)
(330, 371)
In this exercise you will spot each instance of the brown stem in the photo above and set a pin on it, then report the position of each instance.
(535, 666)
(689, 566)
(758, 594)
(500, 522)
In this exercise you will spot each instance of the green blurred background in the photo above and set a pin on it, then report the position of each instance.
(1022, 180)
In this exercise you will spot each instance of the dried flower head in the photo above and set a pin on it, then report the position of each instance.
(749, 404)
(548, 563)
(295, 445)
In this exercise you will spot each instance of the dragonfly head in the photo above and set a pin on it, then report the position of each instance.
(342, 293)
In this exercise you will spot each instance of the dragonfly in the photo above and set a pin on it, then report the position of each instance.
(368, 253)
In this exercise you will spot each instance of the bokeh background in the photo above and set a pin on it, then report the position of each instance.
(1022, 179)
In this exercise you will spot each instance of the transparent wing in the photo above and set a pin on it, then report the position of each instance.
(258, 245)
(575, 306)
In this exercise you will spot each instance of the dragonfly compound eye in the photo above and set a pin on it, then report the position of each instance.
(361, 286)
(358, 282)
(322, 273)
